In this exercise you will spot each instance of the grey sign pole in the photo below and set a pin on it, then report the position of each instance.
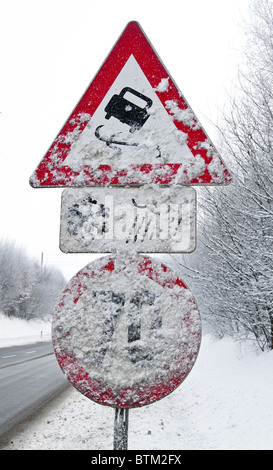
(121, 428)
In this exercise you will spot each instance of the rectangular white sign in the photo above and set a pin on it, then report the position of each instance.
(145, 219)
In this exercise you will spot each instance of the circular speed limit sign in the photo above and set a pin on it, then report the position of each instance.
(126, 331)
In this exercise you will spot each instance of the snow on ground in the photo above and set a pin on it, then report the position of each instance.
(224, 403)
(15, 331)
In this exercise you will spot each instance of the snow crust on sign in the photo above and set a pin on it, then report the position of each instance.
(147, 219)
(134, 332)
(158, 141)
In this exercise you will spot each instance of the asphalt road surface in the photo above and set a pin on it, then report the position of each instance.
(29, 377)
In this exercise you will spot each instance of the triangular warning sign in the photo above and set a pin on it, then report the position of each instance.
(132, 126)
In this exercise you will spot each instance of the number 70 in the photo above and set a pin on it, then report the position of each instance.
(117, 302)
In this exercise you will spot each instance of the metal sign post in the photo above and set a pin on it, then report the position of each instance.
(121, 428)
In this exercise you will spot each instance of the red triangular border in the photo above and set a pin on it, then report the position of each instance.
(50, 172)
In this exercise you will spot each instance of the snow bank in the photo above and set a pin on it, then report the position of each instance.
(15, 331)
(225, 403)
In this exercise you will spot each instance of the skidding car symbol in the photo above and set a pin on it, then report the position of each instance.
(128, 112)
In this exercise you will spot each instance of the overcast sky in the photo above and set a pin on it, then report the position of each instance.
(50, 52)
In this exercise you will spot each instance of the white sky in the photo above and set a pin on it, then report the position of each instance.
(50, 52)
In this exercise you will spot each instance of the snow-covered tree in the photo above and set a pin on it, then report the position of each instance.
(234, 272)
(26, 289)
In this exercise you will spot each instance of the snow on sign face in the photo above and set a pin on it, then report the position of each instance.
(145, 219)
(132, 126)
(126, 331)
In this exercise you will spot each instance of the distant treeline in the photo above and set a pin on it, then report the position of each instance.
(27, 289)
